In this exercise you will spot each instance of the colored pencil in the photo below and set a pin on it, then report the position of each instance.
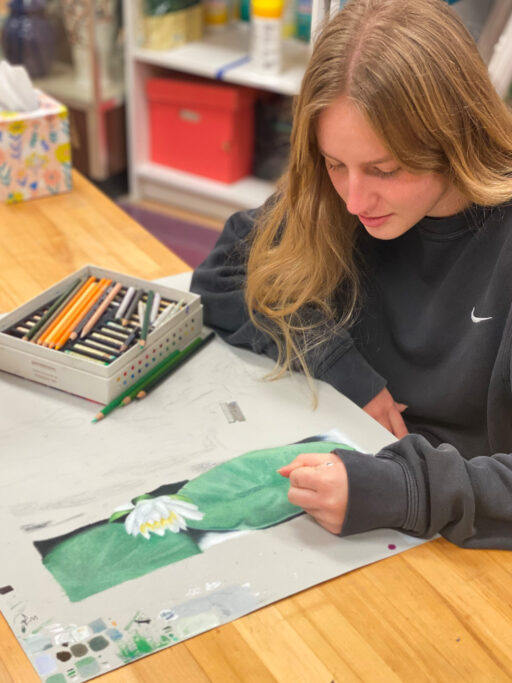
(16, 333)
(141, 309)
(118, 400)
(65, 310)
(82, 356)
(125, 302)
(106, 317)
(154, 308)
(183, 356)
(68, 316)
(108, 341)
(145, 323)
(176, 309)
(162, 317)
(81, 311)
(93, 353)
(129, 341)
(53, 308)
(102, 308)
(92, 310)
(119, 328)
(131, 308)
(113, 334)
(102, 347)
(155, 372)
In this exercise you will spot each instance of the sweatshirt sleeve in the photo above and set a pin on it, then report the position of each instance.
(421, 490)
(220, 282)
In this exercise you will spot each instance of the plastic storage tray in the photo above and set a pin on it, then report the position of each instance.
(91, 380)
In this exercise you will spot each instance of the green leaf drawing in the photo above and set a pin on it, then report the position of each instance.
(117, 515)
(247, 492)
(105, 555)
(144, 496)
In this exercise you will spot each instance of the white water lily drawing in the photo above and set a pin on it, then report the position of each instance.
(157, 515)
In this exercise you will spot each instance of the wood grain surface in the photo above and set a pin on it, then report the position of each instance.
(433, 613)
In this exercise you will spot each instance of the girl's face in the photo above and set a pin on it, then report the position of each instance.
(387, 199)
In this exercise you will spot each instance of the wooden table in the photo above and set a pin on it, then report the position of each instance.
(433, 613)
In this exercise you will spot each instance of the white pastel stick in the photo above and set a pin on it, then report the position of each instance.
(125, 303)
(154, 308)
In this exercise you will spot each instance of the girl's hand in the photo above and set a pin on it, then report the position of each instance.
(319, 485)
(388, 413)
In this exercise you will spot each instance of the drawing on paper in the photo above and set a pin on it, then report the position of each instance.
(168, 524)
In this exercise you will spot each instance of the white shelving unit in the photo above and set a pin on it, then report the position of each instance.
(221, 56)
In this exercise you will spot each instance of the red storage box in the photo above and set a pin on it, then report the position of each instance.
(202, 128)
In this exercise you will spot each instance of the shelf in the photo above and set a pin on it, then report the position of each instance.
(225, 56)
(218, 199)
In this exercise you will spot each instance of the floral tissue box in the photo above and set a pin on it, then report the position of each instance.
(35, 152)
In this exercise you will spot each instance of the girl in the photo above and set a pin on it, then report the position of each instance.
(383, 265)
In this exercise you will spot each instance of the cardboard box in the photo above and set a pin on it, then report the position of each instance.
(35, 153)
(91, 380)
(172, 29)
(202, 128)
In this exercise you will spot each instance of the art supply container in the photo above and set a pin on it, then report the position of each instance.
(88, 379)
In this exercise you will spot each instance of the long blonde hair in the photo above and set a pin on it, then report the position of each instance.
(414, 71)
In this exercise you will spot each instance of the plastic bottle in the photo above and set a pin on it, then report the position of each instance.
(289, 19)
(266, 38)
(216, 14)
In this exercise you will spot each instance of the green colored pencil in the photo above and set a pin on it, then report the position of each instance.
(188, 352)
(53, 309)
(117, 401)
(147, 315)
(135, 388)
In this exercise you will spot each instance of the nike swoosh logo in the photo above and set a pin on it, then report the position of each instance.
(476, 319)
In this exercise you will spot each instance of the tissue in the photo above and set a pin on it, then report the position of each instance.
(35, 152)
(17, 93)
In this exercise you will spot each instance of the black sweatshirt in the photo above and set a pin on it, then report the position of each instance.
(435, 327)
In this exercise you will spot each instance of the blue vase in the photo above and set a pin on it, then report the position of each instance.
(28, 37)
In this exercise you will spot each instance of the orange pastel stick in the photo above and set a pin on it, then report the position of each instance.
(57, 331)
(66, 308)
(82, 311)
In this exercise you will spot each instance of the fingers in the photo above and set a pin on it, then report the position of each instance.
(304, 460)
(321, 490)
(327, 521)
(387, 412)
(315, 478)
(385, 422)
(398, 425)
(304, 498)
